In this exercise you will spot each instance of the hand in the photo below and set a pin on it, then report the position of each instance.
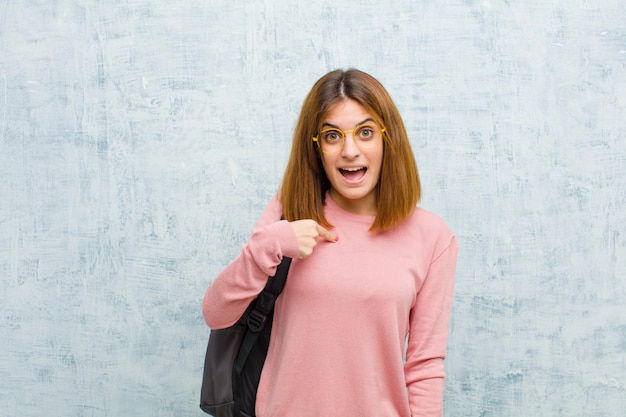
(307, 232)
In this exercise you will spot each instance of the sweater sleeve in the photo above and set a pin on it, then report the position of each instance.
(230, 293)
(428, 334)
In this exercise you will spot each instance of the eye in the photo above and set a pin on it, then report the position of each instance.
(331, 136)
(366, 132)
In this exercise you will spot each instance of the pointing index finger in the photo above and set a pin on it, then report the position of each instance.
(327, 235)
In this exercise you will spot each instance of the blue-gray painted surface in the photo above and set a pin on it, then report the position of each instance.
(140, 140)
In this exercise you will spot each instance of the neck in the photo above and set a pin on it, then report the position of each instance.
(366, 206)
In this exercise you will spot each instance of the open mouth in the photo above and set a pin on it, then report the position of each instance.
(353, 174)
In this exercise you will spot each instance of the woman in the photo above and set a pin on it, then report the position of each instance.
(370, 268)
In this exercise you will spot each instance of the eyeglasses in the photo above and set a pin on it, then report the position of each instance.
(366, 136)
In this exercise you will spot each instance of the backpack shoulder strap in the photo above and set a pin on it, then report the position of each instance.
(267, 298)
(257, 317)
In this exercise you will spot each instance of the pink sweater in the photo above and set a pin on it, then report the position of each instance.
(341, 324)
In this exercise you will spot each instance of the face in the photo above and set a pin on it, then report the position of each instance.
(353, 172)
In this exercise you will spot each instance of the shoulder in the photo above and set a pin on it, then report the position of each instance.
(427, 220)
(429, 228)
(272, 213)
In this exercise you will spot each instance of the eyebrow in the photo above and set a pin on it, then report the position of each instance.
(369, 119)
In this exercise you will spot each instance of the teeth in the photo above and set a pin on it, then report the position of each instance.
(352, 169)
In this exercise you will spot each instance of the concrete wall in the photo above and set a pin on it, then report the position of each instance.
(140, 140)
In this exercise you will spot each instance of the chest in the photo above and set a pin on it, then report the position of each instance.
(362, 272)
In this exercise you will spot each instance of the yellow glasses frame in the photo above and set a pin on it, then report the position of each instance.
(316, 139)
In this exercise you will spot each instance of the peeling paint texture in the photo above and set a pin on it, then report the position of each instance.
(140, 140)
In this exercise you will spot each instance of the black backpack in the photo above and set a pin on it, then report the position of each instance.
(235, 355)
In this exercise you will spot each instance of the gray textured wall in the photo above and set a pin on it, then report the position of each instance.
(141, 139)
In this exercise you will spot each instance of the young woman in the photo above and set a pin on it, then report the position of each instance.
(361, 326)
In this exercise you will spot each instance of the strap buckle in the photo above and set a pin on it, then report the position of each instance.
(256, 321)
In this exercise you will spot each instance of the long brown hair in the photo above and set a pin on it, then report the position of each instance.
(305, 182)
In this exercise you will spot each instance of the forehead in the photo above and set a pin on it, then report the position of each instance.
(346, 112)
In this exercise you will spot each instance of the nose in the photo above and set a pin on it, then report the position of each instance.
(350, 149)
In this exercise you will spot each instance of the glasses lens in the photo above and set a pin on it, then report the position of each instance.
(331, 140)
(366, 136)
